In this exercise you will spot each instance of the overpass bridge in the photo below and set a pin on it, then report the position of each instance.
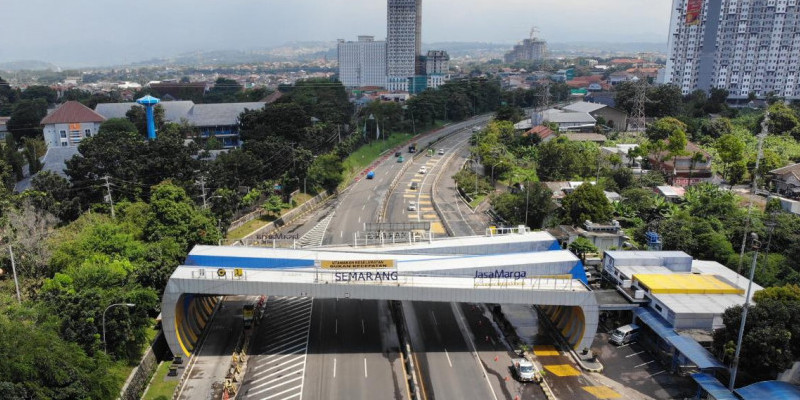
(521, 268)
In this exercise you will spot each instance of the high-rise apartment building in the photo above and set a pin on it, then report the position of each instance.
(742, 46)
(437, 64)
(403, 42)
(529, 50)
(362, 63)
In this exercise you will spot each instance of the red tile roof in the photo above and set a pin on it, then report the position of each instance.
(72, 112)
(540, 130)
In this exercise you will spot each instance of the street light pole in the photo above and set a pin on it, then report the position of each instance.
(756, 245)
(527, 197)
(105, 345)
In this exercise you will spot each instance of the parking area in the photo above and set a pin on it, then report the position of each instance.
(633, 367)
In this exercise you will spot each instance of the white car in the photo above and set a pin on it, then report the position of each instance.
(423, 170)
(441, 152)
(412, 206)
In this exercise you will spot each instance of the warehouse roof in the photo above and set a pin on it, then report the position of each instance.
(685, 284)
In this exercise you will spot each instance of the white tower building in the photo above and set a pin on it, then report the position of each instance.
(403, 42)
(362, 63)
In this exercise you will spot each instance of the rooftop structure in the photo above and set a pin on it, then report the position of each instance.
(69, 124)
(787, 180)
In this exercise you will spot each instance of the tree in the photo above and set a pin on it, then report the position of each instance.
(26, 232)
(138, 116)
(663, 128)
(326, 171)
(224, 91)
(730, 150)
(587, 202)
(782, 119)
(117, 125)
(581, 246)
(52, 194)
(273, 205)
(676, 147)
(509, 113)
(536, 199)
(26, 118)
(35, 92)
(173, 215)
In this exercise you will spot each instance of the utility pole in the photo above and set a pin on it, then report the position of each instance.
(110, 199)
(527, 197)
(756, 245)
(14, 271)
(203, 190)
(637, 123)
(759, 154)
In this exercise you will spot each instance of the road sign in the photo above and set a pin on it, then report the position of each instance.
(357, 264)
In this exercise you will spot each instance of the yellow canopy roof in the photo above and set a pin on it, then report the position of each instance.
(685, 284)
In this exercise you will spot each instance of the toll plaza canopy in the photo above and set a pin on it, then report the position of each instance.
(519, 268)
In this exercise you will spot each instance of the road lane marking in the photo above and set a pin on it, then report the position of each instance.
(543, 350)
(434, 318)
(634, 354)
(280, 393)
(649, 362)
(657, 373)
(625, 345)
(288, 344)
(562, 370)
(334, 368)
(468, 337)
(284, 355)
(365, 368)
(274, 386)
(275, 366)
(448, 358)
(363, 330)
(341, 234)
(336, 327)
(359, 220)
(602, 392)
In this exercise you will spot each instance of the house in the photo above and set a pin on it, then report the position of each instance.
(614, 118)
(604, 236)
(69, 124)
(544, 133)
(622, 150)
(569, 121)
(586, 137)
(219, 120)
(686, 171)
(563, 188)
(621, 76)
(786, 180)
(181, 90)
(788, 205)
(671, 193)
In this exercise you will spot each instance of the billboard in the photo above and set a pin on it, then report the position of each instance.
(693, 10)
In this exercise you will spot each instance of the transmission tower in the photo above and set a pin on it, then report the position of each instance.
(637, 120)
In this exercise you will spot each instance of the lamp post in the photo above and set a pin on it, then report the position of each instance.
(105, 346)
(756, 245)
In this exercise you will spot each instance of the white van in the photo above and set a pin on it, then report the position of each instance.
(624, 334)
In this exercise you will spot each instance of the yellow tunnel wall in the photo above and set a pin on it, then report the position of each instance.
(192, 313)
(569, 320)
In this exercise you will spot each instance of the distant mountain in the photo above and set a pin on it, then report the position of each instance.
(32, 65)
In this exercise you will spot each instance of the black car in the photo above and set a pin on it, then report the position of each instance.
(397, 154)
(414, 185)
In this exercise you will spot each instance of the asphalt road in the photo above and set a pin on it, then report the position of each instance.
(207, 374)
(353, 352)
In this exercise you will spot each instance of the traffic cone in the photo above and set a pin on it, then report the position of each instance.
(495, 358)
(506, 378)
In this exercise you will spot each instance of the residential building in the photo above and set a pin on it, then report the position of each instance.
(403, 42)
(544, 133)
(620, 76)
(671, 193)
(69, 124)
(622, 150)
(613, 117)
(362, 63)
(786, 180)
(437, 65)
(685, 171)
(220, 120)
(532, 49)
(174, 90)
(738, 45)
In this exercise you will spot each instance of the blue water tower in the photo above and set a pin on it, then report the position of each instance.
(149, 102)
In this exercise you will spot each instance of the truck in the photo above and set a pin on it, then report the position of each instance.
(524, 371)
(247, 315)
(412, 148)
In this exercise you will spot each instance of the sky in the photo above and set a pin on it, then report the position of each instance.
(104, 32)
